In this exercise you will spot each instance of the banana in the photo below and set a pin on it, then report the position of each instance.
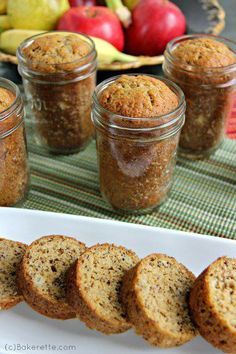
(107, 53)
(11, 39)
(4, 23)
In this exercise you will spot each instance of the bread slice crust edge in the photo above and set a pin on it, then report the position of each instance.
(86, 309)
(145, 326)
(212, 326)
(43, 304)
(12, 300)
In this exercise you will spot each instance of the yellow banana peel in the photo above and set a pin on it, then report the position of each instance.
(4, 23)
(11, 39)
(107, 53)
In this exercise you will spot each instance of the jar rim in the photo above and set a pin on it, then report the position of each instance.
(9, 85)
(191, 68)
(170, 84)
(22, 59)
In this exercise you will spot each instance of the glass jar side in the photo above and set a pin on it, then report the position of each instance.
(136, 156)
(135, 176)
(14, 168)
(61, 114)
(60, 103)
(209, 94)
(207, 114)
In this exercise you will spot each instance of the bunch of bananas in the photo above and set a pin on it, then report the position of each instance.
(15, 27)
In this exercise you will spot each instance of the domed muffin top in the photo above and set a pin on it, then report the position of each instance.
(6, 99)
(204, 52)
(48, 53)
(138, 96)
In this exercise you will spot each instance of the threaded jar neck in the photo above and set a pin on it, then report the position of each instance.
(207, 77)
(73, 71)
(12, 117)
(145, 128)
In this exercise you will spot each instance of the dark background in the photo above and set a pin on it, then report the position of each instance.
(230, 9)
(9, 71)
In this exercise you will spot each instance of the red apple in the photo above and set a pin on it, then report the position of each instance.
(154, 24)
(97, 21)
(75, 3)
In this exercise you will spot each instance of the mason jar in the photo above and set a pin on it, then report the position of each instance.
(209, 94)
(136, 156)
(59, 95)
(14, 170)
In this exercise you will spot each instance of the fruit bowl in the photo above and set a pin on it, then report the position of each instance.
(203, 16)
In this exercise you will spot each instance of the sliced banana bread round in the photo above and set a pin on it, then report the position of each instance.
(11, 253)
(93, 287)
(41, 276)
(155, 295)
(213, 304)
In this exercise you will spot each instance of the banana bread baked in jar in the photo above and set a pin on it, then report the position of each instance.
(138, 120)
(204, 66)
(59, 77)
(14, 172)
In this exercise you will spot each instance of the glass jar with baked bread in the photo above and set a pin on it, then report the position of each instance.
(204, 66)
(136, 154)
(59, 77)
(14, 171)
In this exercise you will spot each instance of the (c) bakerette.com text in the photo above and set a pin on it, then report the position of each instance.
(19, 347)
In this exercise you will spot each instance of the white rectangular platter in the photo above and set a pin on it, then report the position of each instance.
(21, 326)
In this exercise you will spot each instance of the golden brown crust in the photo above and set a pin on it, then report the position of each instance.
(145, 314)
(6, 98)
(138, 96)
(204, 52)
(7, 304)
(213, 324)
(107, 275)
(49, 53)
(37, 303)
(44, 291)
(11, 253)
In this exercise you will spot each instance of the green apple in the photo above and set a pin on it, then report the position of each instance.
(3, 6)
(130, 3)
(36, 14)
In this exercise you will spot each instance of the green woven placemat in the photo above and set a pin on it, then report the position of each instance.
(202, 200)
